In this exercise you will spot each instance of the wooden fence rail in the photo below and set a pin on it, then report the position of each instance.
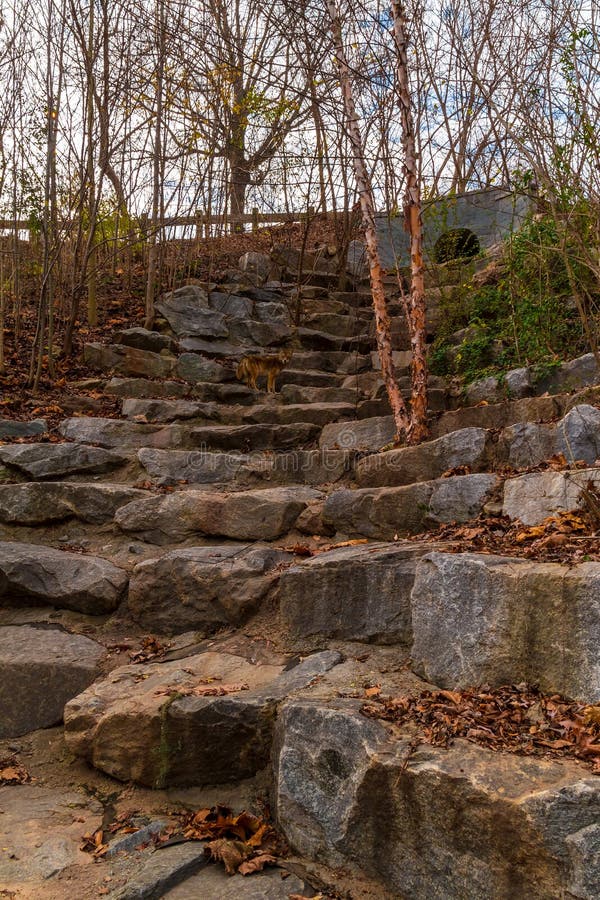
(200, 221)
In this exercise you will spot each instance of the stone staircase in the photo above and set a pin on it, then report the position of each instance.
(264, 540)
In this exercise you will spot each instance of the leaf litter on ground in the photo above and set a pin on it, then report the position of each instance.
(12, 772)
(512, 718)
(243, 843)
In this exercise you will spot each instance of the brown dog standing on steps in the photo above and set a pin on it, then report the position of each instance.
(250, 367)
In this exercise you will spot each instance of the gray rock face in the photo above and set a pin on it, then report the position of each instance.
(577, 373)
(10, 428)
(484, 619)
(532, 498)
(162, 872)
(144, 723)
(584, 853)
(384, 513)
(142, 387)
(128, 360)
(203, 588)
(41, 461)
(40, 829)
(366, 434)
(212, 883)
(115, 433)
(35, 503)
(578, 434)
(465, 447)
(335, 772)
(195, 369)
(193, 294)
(352, 593)
(489, 389)
(39, 671)
(258, 264)
(250, 515)
(231, 304)
(315, 413)
(163, 411)
(31, 574)
(311, 467)
(143, 339)
(188, 319)
(255, 437)
(526, 444)
(518, 383)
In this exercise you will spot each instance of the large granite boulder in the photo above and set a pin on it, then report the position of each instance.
(430, 822)
(482, 619)
(40, 669)
(41, 503)
(202, 588)
(532, 498)
(249, 515)
(208, 719)
(123, 360)
(385, 513)
(465, 447)
(39, 461)
(352, 593)
(31, 574)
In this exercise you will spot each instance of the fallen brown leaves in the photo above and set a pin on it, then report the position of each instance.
(568, 537)
(151, 649)
(244, 843)
(512, 718)
(12, 772)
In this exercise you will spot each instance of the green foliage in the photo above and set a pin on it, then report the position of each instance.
(525, 318)
(458, 243)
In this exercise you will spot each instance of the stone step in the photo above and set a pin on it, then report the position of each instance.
(165, 411)
(203, 589)
(315, 413)
(114, 433)
(253, 515)
(385, 513)
(308, 378)
(243, 470)
(40, 669)
(45, 502)
(295, 394)
(532, 498)
(51, 461)
(145, 388)
(576, 436)
(310, 339)
(32, 574)
(208, 719)
(462, 822)
(253, 437)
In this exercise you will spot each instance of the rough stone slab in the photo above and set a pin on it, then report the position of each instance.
(163, 870)
(263, 334)
(231, 304)
(249, 515)
(128, 360)
(297, 395)
(145, 388)
(576, 373)
(192, 466)
(498, 415)
(254, 437)
(140, 725)
(481, 619)
(202, 588)
(352, 593)
(40, 503)
(31, 574)
(366, 434)
(194, 368)
(466, 447)
(163, 411)
(576, 435)
(213, 883)
(40, 834)
(11, 428)
(464, 822)
(115, 433)
(40, 669)
(315, 413)
(41, 461)
(188, 319)
(532, 498)
(143, 339)
(385, 513)
(312, 467)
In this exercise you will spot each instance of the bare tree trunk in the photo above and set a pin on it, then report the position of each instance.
(154, 236)
(413, 225)
(367, 204)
